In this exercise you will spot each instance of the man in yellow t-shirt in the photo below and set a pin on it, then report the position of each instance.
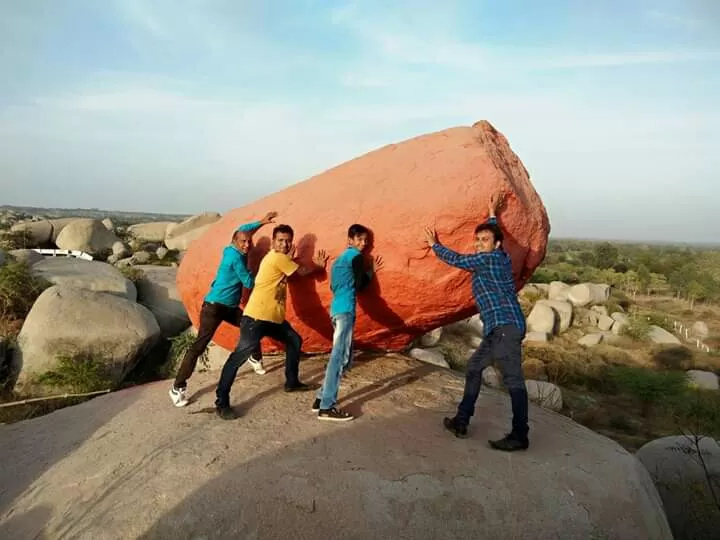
(264, 315)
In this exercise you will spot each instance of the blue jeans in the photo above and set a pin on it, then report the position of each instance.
(503, 344)
(340, 359)
(251, 332)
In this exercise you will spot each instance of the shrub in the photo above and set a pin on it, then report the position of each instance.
(16, 240)
(698, 413)
(77, 373)
(621, 299)
(178, 346)
(649, 387)
(19, 289)
(638, 329)
(659, 319)
(673, 357)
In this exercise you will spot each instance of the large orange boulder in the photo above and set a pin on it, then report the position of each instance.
(442, 179)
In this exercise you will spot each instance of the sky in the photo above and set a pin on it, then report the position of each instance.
(184, 106)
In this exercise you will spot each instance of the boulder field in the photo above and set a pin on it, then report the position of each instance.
(442, 179)
(130, 465)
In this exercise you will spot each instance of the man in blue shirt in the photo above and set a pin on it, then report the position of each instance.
(493, 288)
(221, 304)
(348, 277)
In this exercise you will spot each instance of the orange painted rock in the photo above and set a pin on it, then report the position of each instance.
(441, 179)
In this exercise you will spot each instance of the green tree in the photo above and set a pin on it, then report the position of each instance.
(643, 275)
(605, 255)
(695, 291)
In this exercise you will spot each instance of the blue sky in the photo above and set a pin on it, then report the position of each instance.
(187, 106)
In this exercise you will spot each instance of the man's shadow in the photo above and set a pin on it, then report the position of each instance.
(371, 301)
(304, 296)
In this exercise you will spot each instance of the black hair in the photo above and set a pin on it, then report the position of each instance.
(356, 230)
(493, 228)
(287, 229)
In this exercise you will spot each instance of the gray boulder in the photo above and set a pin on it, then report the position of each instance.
(183, 234)
(564, 311)
(88, 235)
(700, 330)
(704, 380)
(580, 295)
(430, 356)
(590, 340)
(88, 275)
(558, 291)
(150, 232)
(545, 394)
(431, 338)
(686, 471)
(71, 322)
(662, 336)
(28, 256)
(542, 318)
(157, 291)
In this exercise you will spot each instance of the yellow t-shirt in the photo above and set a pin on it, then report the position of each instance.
(267, 300)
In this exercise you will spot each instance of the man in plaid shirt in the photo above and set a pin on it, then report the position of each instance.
(504, 328)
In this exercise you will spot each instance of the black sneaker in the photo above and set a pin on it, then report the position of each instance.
(298, 387)
(510, 443)
(456, 429)
(316, 405)
(226, 413)
(334, 415)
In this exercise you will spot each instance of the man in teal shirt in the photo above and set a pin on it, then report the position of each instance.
(348, 277)
(221, 304)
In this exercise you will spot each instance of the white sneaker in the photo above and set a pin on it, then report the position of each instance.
(257, 365)
(179, 396)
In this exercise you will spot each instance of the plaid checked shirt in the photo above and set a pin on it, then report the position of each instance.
(493, 286)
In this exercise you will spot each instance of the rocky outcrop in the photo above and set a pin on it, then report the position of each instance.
(37, 232)
(590, 340)
(71, 322)
(545, 394)
(44, 231)
(414, 292)
(683, 469)
(704, 380)
(563, 311)
(542, 318)
(431, 338)
(429, 356)
(558, 291)
(150, 232)
(183, 234)
(153, 471)
(662, 336)
(88, 235)
(699, 330)
(157, 291)
(88, 275)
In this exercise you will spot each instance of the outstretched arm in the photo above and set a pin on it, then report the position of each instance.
(255, 225)
(467, 262)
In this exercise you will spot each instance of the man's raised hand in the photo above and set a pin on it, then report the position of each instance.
(269, 218)
(496, 201)
(320, 258)
(430, 236)
(376, 263)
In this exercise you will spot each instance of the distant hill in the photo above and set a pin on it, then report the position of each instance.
(95, 213)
